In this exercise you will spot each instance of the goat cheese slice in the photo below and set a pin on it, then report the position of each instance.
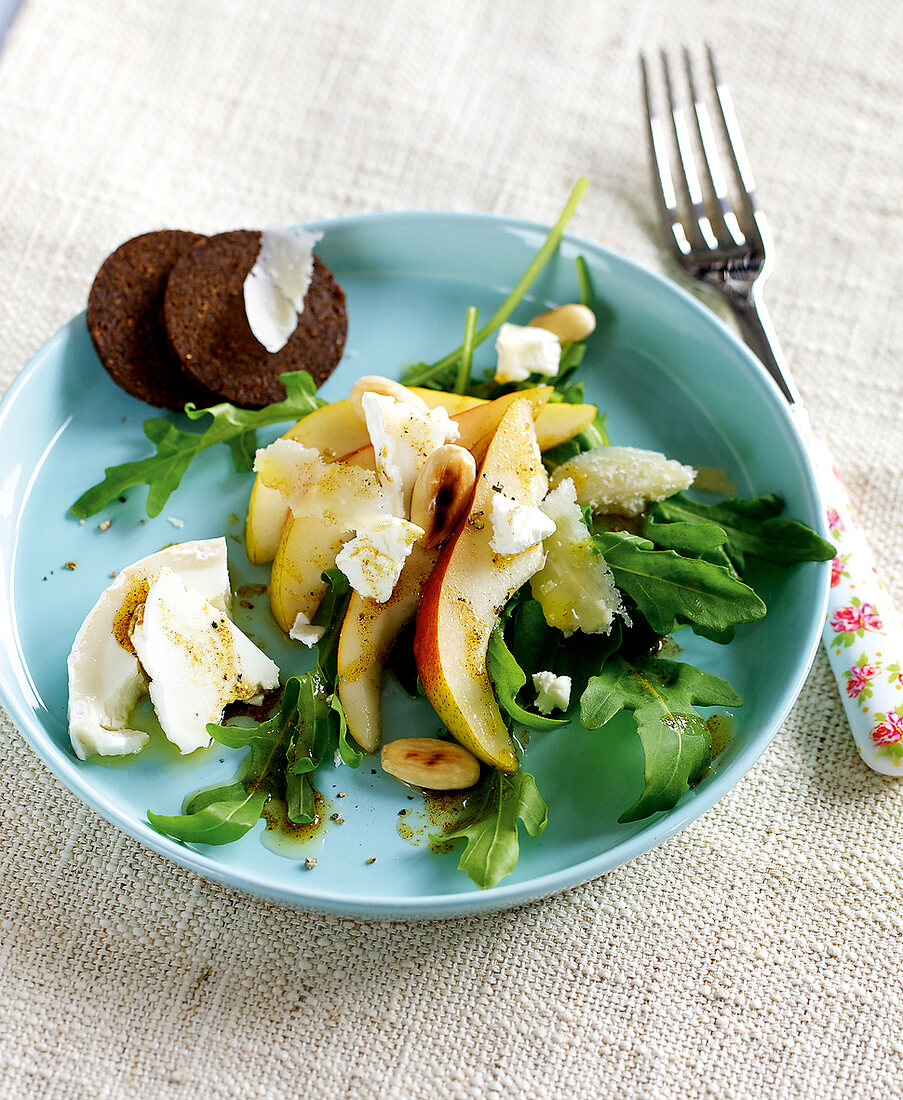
(277, 284)
(105, 679)
(196, 659)
(516, 527)
(524, 350)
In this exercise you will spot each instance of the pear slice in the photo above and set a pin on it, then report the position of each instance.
(369, 630)
(334, 430)
(555, 423)
(305, 549)
(469, 586)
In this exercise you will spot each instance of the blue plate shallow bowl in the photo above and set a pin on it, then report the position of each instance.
(669, 376)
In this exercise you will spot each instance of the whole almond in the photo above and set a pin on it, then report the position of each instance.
(571, 323)
(442, 492)
(388, 387)
(428, 762)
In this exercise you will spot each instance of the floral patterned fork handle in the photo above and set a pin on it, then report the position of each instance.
(862, 633)
(723, 240)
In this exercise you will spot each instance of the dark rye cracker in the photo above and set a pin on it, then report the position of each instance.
(208, 330)
(125, 320)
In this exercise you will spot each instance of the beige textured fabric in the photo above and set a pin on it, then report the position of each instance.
(757, 954)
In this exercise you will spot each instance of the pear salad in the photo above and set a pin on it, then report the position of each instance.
(480, 539)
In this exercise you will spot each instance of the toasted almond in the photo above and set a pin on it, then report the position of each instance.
(571, 323)
(375, 383)
(428, 762)
(442, 492)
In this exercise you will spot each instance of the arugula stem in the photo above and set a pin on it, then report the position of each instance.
(583, 278)
(520, 289)
(470, 328)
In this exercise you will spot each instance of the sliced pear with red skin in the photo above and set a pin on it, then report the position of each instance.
(467, 589)
(369, 631)
(334, 430)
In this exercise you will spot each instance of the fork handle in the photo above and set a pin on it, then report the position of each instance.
(760, 335)
(862, 634)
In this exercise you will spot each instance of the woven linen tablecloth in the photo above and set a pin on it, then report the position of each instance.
(759, 953)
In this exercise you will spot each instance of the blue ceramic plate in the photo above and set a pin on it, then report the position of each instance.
(669, 376)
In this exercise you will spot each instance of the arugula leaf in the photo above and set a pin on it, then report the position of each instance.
(284, 753)
(330, 615)
(489, 825)
(671, 590)
(693, 540)
(311, 740)
(324, 728)
(243, 448)
(319, 729)
(435, 375)
(750, 527)
(224, 813)
(536, 646)
(162, 472)
(676, 741)
(533, 643)
(566, 388)
(349, 752)
(508, 678)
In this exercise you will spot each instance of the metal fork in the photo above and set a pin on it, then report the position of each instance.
(727, 245)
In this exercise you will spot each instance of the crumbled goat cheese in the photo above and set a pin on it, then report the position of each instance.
(403, 437)
(372, 561)
(551, 691)
(302, 631)
(524, 350)
(516, 527)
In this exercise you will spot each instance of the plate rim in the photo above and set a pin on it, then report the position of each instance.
(505, 895)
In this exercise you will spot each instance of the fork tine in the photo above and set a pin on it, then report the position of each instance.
(748, 200)
(687, 161)
(711, 158)
(666, 194)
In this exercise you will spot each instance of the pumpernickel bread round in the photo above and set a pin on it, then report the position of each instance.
(125, 320)
(208, 329)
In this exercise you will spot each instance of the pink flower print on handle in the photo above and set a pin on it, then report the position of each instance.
(846, 619)
(859, 679)
(889, 728)
(862, 631)
(869, 618)
(853, 620)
